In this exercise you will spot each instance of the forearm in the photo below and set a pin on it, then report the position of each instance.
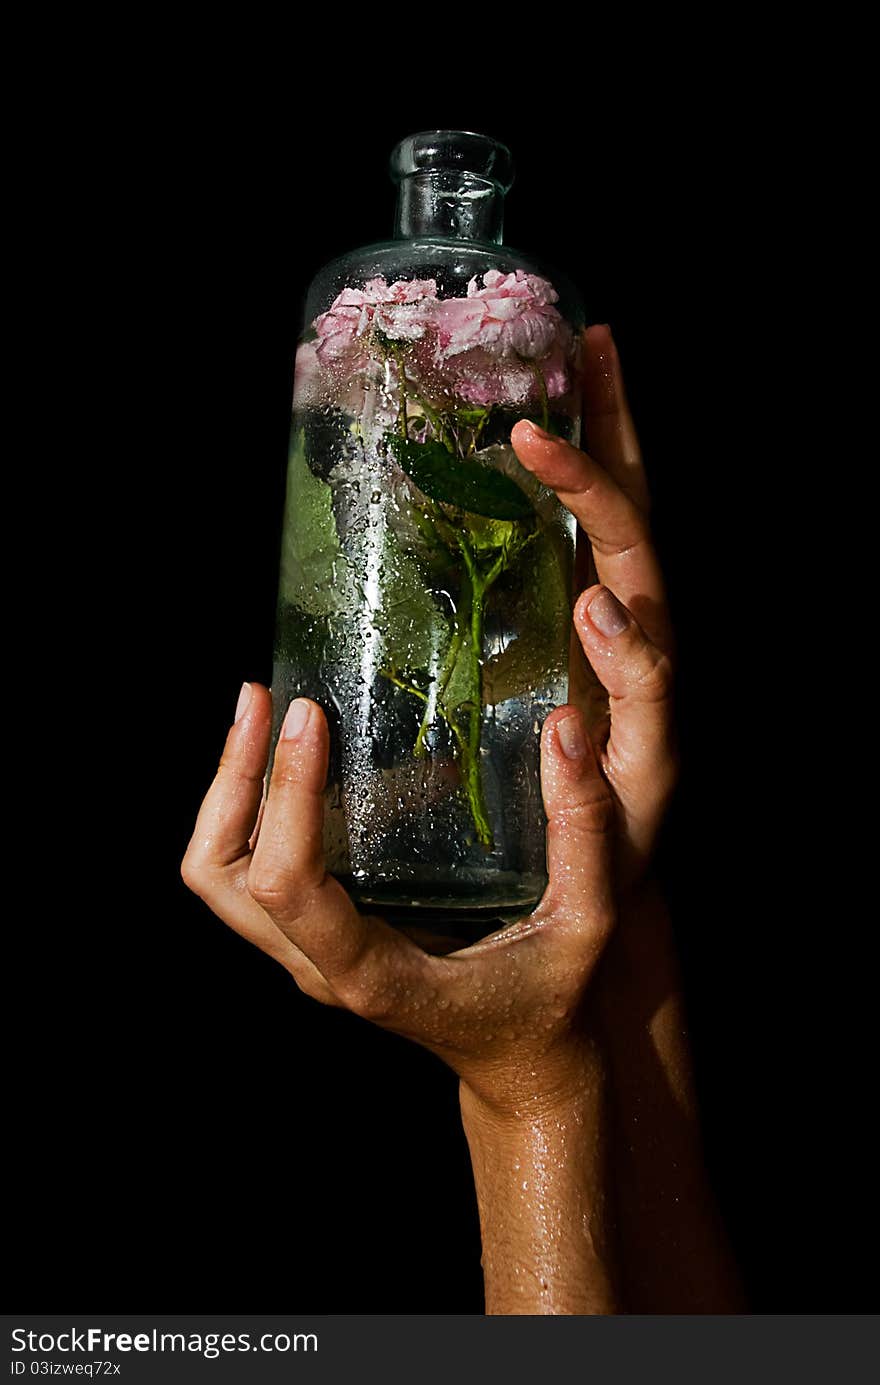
(674, 1253)
(542, 1182)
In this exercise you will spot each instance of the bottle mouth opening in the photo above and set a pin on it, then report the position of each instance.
(461, 151)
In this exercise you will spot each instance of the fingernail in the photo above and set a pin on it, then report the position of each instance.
(607, 614)
(244, 701)
(295, 721)
(571, 737)
(540, 432)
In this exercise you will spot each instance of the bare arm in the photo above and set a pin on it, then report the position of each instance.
(543, 1186)
(674, 1252)
(597, 1199)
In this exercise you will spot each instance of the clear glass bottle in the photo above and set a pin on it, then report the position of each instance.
(426, 578)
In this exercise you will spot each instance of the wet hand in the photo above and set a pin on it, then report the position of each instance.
(504, 1013)
(623, 623)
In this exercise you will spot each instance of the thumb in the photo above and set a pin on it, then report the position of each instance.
(640, 756)
(580, 818)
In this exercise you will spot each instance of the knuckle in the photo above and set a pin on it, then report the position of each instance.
(625, 530)
(594, 815)
(368, 990)
(281, 891)
(194, 873)
(273, 888)
(637, 526)
(286, 771)
(655, 680)
(231, 768)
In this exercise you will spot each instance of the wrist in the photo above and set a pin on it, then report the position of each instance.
(542, 1183)
(500, 1106)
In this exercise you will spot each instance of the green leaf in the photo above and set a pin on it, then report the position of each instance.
(470, 485)
(489, 535)
(315, 574)
(485, 535)
(463, 688)
(541, 615)
(321, 579)
(469, 415)
(412, 628)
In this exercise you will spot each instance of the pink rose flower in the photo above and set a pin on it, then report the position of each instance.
(482, 378)
(555, 369)
(306, 376)
(370, 394)
(402, 311)
(511, 315)
(480, 347)
(485, 380)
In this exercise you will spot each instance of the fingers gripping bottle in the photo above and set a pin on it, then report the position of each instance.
(426, 580)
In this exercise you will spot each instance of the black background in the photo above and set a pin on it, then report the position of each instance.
(191, 1132)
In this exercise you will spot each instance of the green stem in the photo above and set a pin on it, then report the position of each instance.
(475, 440)
(469, 710)
(435, 419)
(473, 776)
(441, 526)
(467, 645)
(464, 653)
(542, 391)
(495, 571)
(400, 683)
(442, 682)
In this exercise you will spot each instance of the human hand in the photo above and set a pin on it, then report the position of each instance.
(623, 624)
(504, 1012)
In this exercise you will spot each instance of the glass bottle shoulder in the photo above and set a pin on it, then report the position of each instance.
(451, 263)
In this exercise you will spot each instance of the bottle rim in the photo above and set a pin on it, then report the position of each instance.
(463, 151)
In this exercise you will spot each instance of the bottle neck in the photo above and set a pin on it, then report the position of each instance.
(448, 203)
